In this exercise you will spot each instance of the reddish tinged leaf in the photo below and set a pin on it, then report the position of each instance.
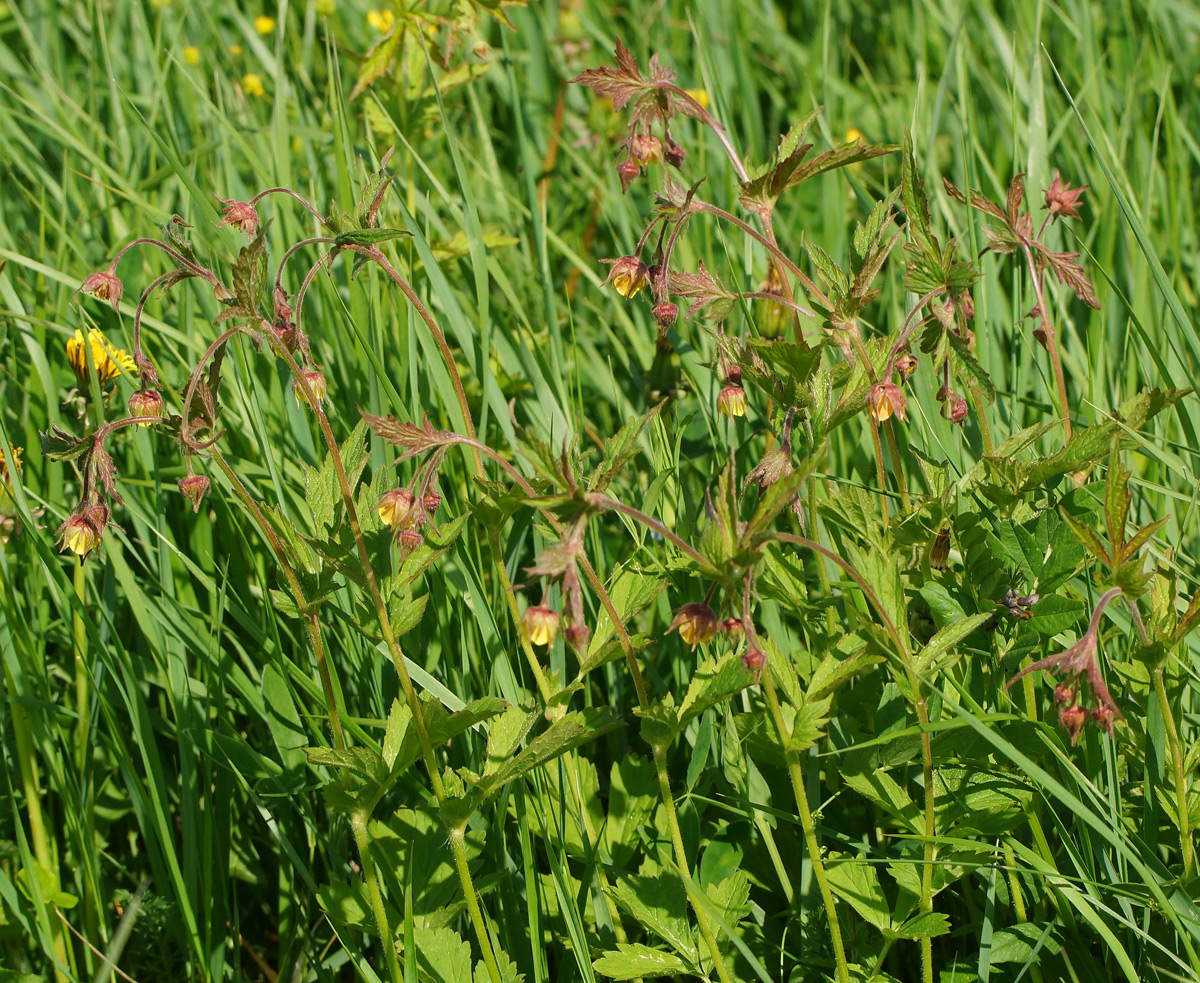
(1070, 273)
(404, 434)
(619, 84)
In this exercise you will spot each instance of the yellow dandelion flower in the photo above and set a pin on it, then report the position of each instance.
(853, 135)
(15, 453)
(235, 49)
(109, 361)
(191, 54)
(381, 20)
(700, 95)
(252, 85)
(264, 24)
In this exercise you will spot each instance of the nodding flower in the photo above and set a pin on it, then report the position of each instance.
(628, 275)
(194, 487)
(146, 404)
(241, 214)
(696, 623)
(316, 383)
(1062, 200)
(83, 529)
(105, 285)
(395, 507)
(885, 400)
(539, 625)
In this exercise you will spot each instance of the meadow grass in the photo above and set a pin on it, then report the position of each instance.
(174, 808)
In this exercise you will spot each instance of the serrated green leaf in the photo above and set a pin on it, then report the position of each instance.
(857, 883)
(934, 657)
(375, 65)
(631, 961)
(367, 237)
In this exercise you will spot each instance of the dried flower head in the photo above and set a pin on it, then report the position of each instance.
(732, 401)
(194, 487)
(628, 275)
(885, 400)
(241, 214)
(310, 380)
(395, 507)
(777, 464)
(105, 285)
(539, 625)
(146, 404)
(1062, 200)
(696, 623)
(109, 360)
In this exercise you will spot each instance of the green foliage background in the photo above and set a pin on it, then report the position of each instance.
(184, 760)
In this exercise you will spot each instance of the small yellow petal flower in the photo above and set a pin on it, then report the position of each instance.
(700, 95)
(252, 84)
(16, 456)
(853, 135)
(109, 361)
(235, 49)
(191, 54)
(381, 20)
(264, 24)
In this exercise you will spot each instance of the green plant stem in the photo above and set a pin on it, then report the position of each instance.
(807, 824)
(822, 574)
(882, 472)
(1186, 846)
(900, 480)
(668, 801)
(393, 645)
(985, 431)
(1018, 900)
(922, 718)
(459, 848)
(312, 625)
(82, 680)
(362, 840)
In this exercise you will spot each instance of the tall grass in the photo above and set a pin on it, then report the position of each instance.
(162, 815)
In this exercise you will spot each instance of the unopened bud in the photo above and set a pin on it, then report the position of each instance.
(146, 404)
(958, 410)
(1071, 718)
(194, 487)
(754, 659)
(665, 314)
(732, 401)
(673, 153)
(409, 540)
(627, 171)
(1102, 717)
(906, 366)
(431, 502)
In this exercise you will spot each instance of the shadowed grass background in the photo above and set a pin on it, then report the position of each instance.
(184, 763)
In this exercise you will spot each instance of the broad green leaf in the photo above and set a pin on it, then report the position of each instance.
(857, 883)
(713, 683)
(658, 902)
(939, 653)
(632, 961)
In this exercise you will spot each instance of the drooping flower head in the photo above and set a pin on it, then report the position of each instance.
(104, 285)
(316, 383)
(194, 487)
(83, 529)
(696, 623)
(539, 625)
(395, 507)
(241, 214)
(732, 401)
(146, 404)
(628, 275)
(886, 400)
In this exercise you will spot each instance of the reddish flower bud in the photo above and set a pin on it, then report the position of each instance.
(665, 314)
(241, 215)
(1064, 692)
(1071, 718)
(906, 366)
(146, 404)
(884, 400)
(194, 487)
(578, 636)
(1041, 336)
(753, 660)
(1102, 717)
(958, 410)
(732, 401)
(105, 285)
(696, 623)
(732, 625)
(673, 154)
(409, 540)
(316, 383)
(628, 275)
(539, 625)
(627, 171)
(944, 393)
(395, 507)
(431, 502)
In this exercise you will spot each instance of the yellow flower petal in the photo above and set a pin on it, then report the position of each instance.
(191, 54)
(252, 84)
(264, 24)
(381, 20)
